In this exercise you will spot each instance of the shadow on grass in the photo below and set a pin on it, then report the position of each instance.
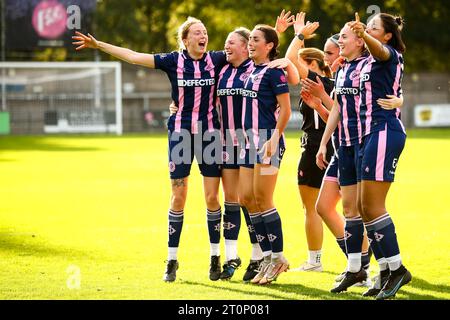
(279, 291)
(30, 245)
(425, 285)
(12, 143)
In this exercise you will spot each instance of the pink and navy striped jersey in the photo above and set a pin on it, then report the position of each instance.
(229, 99)
(193, 88)
(348, 97)
(377, 80)
(260, 105)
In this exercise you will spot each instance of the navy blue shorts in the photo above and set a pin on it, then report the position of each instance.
(274, 160)
(348, 162)
(379, 154)
(231, 157)
(332, 172)
(251, 156)
(206, 147)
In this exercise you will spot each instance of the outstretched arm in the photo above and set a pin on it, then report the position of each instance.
(127, 55)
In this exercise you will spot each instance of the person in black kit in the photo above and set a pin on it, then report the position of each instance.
(310, 64)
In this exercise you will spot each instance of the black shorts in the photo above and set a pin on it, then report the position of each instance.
(308, 172)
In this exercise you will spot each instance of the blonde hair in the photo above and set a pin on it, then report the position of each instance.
(183, 30)
(310, 54)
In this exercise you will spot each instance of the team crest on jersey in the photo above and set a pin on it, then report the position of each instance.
(225, 156)
(209, 67)
(171, 166)
(283, 78)
(244, 76)
(354, 74)
(255, 78)
(242, 154)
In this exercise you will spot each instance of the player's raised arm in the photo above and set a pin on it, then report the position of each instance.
(375, 47)
(302, 31)
(127, 55)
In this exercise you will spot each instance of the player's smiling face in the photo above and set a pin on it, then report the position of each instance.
(258, 48)
(375, 29)
(235, 48)
(197, 39)
(349, 44)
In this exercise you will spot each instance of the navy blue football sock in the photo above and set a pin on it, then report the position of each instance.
(214, 218)
(341, 244)
(354, 234)
(272, 222)
(175, 226)
(384, 234)
(261, 233)
(250, 227)
(231, 221)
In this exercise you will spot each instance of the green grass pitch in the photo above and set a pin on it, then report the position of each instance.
(98, 206)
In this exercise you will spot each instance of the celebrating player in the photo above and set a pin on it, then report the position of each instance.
(265, 115)
(192, 74)
(383, 142)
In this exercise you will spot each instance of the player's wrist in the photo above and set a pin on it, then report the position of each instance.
(300, 36)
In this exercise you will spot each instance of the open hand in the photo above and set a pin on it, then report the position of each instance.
(84, 41)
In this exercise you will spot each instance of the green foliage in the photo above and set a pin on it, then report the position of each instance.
(150, 26)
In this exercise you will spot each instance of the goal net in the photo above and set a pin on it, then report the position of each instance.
(62, 97)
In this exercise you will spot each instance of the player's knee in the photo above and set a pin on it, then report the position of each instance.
(372, 210)
(350, 209)
(263, 202)
(212, 200)
(322, 209)
(177, 201)
(246, 200)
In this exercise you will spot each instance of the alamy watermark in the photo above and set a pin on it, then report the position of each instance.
(241, 147)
